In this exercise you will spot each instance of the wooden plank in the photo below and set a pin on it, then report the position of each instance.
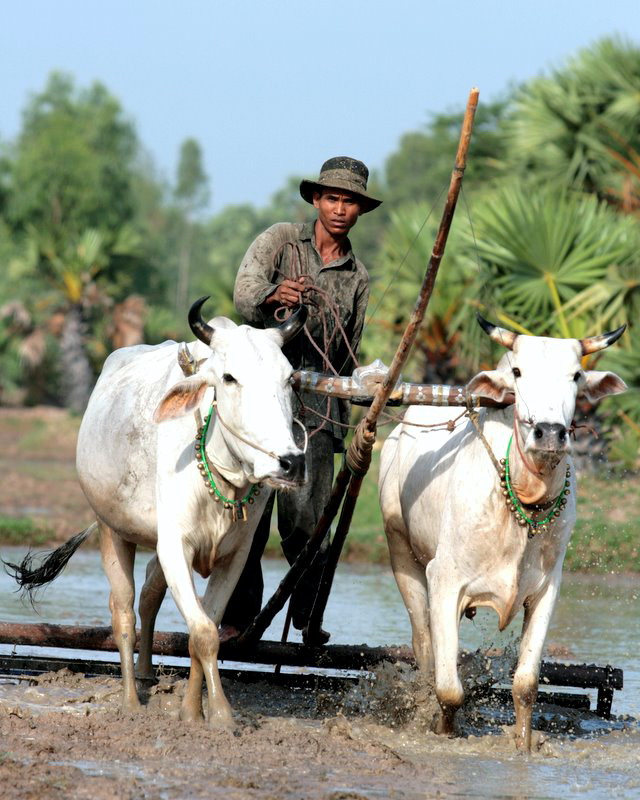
(80, 637)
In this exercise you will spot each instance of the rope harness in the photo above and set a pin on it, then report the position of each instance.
(321, 300)
(236, 507)
(512, 502)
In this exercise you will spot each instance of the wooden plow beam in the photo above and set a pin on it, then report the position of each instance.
(332, 658)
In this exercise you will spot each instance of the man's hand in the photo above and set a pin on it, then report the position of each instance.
(288, 293)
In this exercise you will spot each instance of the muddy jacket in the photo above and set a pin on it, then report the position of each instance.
(288, 250)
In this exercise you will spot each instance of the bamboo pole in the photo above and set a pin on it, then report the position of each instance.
(358, 456)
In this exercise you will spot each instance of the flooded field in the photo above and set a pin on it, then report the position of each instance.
(63, 736)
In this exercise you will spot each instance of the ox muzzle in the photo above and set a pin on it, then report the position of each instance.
(292, 468)
(550, 437)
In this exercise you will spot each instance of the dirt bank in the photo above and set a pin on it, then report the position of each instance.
(37, 465)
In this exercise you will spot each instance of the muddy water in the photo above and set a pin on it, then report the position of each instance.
(596, 621)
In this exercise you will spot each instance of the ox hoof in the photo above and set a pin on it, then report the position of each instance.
(191, 714)
(221, 718)
(130, 707)
(525, 742)
(146, 678)
(443, 723)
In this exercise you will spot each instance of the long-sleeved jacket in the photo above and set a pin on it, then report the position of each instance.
(287, 250)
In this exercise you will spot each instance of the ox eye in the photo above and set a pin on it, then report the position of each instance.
(516, 372)
(228, 378)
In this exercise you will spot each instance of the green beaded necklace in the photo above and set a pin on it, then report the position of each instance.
(236, 507)
(515, 506)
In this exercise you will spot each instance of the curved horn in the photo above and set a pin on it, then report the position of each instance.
(592, 344)
(293, 325)
(499, 335)
(200, 328)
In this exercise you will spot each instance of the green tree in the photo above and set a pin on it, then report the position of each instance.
(543, 250)
(73, 162)
(228, 234)
(69, 208)
(192, 195)
(563, 128)
(71, 280)
(405, 253)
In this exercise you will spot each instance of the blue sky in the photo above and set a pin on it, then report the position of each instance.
(271, 88)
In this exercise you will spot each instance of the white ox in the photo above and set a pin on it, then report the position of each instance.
(453, 541)
(143, 481)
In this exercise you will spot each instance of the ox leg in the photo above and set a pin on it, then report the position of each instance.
(203, 639)
(151, 597)
(223, 579)
(411, 578)
(537, 616)
(444, 602)
(117, 561)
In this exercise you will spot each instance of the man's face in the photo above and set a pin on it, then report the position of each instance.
(338, 210)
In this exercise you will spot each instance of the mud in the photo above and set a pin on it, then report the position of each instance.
(62, 736)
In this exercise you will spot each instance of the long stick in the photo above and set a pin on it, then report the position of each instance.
(359, 454)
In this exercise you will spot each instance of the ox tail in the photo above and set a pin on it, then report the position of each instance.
(31, 576)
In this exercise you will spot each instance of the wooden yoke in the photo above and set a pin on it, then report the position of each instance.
(358, 457)
(361, 387)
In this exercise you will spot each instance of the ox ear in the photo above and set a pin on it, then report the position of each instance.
(601, 384)
(493, 384)
(182, 397)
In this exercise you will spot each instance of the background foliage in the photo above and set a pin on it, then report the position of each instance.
(97, 250)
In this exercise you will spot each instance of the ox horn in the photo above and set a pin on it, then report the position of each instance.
(293, 325)
(594, 343)
(499, 335)
(200, 328)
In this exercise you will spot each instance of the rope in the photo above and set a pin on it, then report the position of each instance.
(474, 416)
(358, 457)
(253, 444)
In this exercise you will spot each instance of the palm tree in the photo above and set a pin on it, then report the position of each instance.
(544, 250)
(558, 263)
(563, 127)
(67, 276)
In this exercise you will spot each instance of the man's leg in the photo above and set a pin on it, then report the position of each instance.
(298, 513)
(246, 600)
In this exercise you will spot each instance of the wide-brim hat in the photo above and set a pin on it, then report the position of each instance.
(342, 172)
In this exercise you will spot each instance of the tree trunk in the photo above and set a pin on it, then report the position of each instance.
(77, 376)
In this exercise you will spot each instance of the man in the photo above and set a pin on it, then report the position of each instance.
(288, 264)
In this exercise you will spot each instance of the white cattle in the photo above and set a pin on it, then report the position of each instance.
(150, 485)
(463, 534)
